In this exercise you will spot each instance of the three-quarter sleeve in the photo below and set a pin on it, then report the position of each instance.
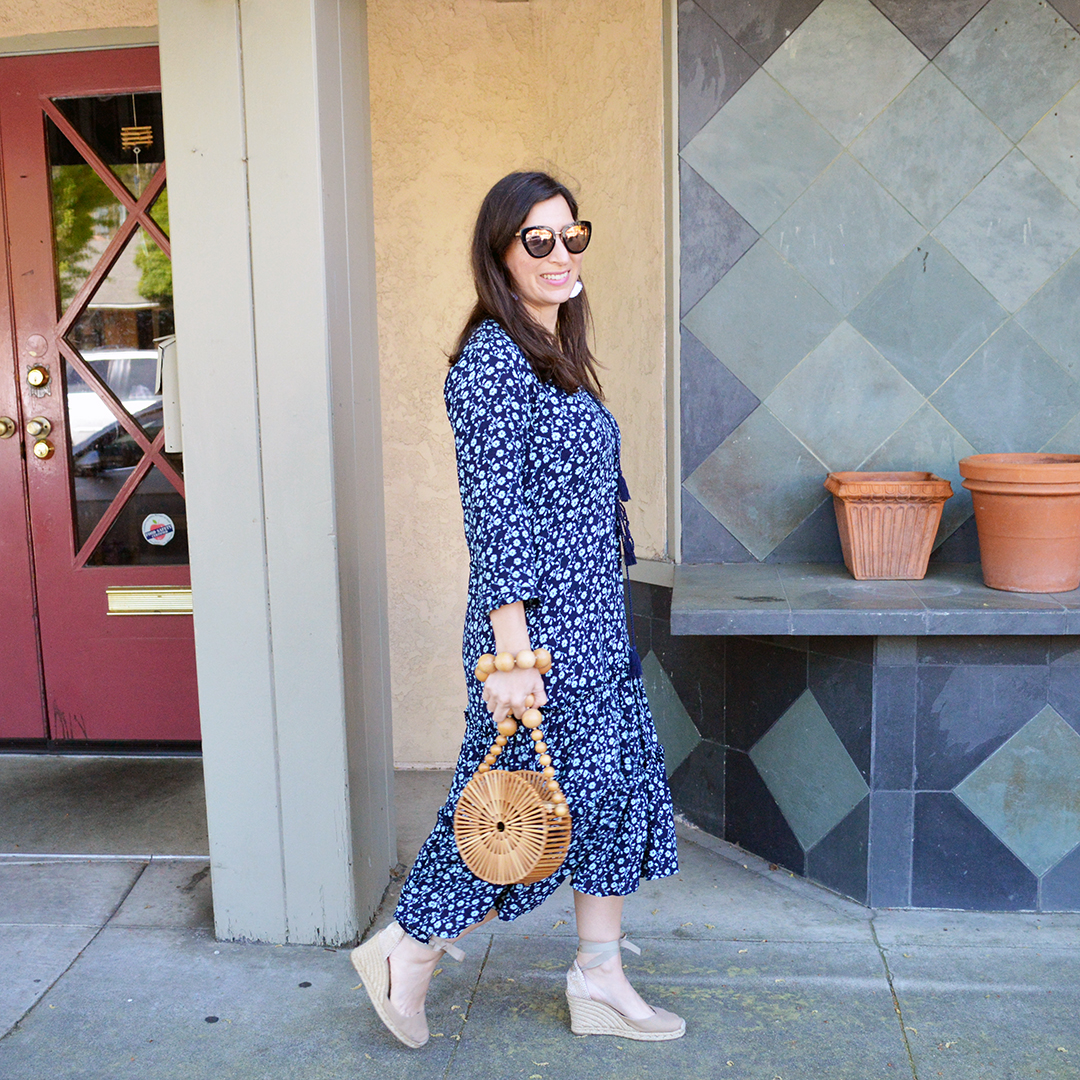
(488, 400)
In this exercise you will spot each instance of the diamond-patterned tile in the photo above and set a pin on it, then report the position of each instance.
(928, 316)
(712, 66)
(761, 151)
(1025, 792)
(1070, 9)
(928, 443)
(1013, 231)
(844, 399)
(1010, 397)
(930, 147)
(674, 728)
(1052, 317)
(1066, 441)
(1015, 59)
(759, 26)
(704, 539)
(845, 234)
(929, 24)
(844, 65)
(1054, 144)
(712, 237)
(761, 319)
(808, 772)
(713, 403)
(760, 483)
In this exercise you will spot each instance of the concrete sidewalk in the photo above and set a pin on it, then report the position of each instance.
(111, 972)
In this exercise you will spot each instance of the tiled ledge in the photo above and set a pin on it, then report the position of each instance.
(823, 599)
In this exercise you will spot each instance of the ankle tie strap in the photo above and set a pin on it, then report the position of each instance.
(601, 950)
(447, 947)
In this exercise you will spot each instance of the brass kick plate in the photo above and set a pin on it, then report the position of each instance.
(149, 600)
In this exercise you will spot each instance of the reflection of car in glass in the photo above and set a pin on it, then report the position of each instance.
(101, 465)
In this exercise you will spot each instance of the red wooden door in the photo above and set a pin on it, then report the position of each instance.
(85, 468)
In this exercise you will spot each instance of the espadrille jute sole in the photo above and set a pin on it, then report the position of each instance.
(373, 967)
(588, 1017)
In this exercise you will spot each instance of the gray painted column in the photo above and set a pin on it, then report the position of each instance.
(266, 123)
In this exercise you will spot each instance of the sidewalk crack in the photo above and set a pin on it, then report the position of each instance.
(468, 1007)
(75, 959)
(895, 1000)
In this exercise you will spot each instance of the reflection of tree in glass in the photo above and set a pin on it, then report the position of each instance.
(82, 207)
(156, 281)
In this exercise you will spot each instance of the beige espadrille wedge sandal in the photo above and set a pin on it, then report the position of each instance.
(591, 1017)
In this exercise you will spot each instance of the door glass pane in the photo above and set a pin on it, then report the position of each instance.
(151, 530)
(124, 130)
(86, 215)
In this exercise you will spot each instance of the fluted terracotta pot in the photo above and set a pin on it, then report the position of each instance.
(887, 521)
(1027, 513)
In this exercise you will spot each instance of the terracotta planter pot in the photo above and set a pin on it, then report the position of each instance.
(887, 521)
(1027, 513)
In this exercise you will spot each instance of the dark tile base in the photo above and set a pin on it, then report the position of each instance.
(752, 818)
(840, 860)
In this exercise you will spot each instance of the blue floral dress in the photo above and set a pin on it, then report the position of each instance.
(538, 470)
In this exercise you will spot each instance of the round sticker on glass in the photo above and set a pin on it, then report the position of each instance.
(158, 529)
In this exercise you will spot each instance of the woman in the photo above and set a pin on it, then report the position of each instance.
(538, 469)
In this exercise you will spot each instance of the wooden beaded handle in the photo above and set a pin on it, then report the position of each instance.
(531, 718)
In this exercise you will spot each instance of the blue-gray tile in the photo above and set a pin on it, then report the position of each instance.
(891, 832)
(965, 713)
(760, 26)
(1052, 317)
(844, 65)
(1070, 9)
(713, 402)
(712, 237)
(929, 24)
(704, 539)
(1013, 231)
(761, 151)
(763, 682)
(753, 820)
(710, 599)
(1064, 692)
(858, 649)
(983, 60)
(760, 483)
(958, 863)
(961, 547)
(839, 860)
(674, 727)
(845, 691)
(845, 233)
(761, 319)
(928, 443)
(930, 147)
(1010, 397)
(895, 651)
(1052, 144)
(976, 649)
(1025, 793)
(1060, 887)
(816, 540)
(844, 399)
(697, 787)
(808, 771)
(695, 666)
(894, 727)
(712, 66)
(1066, 441)
(928, 316)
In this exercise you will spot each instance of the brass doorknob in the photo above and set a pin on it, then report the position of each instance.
(44, 449)
(38, 428)
(7, 427)
(38, 376)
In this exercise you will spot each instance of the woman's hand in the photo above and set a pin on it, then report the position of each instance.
(505, 692)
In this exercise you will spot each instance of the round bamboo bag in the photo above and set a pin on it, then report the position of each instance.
(512, 827)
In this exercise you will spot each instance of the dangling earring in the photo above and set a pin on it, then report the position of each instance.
(576, 290)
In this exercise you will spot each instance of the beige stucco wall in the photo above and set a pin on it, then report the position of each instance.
(463, 92)
(18, 17)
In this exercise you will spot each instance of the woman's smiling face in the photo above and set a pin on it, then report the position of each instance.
(543, 284)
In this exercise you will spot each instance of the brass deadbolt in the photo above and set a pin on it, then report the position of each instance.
(7, 427)
(43, 449)
(38, 428)
(38, 376)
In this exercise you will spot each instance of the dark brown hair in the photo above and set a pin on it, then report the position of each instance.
(562, 358)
